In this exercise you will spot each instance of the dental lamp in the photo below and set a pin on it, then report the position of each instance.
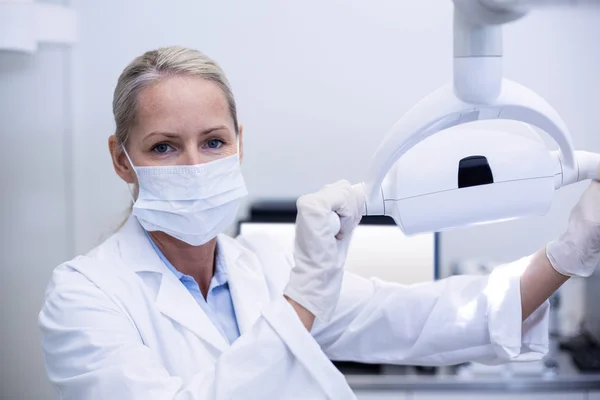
(459, 176)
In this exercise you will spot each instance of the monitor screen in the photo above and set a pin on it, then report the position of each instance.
(379, 250)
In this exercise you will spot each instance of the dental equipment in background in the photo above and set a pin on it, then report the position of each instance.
(481, 175)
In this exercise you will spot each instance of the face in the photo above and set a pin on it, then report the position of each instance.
(179, 121)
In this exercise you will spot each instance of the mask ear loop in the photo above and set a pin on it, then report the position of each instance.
(129, 186)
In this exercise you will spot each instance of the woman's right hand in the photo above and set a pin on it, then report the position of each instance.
(324, 226)
(577, 251)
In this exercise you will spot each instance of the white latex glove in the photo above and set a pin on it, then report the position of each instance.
(577, 251)
(324, 226)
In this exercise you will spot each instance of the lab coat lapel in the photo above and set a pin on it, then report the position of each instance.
(176, 302)
(249, 291)
(172, 299)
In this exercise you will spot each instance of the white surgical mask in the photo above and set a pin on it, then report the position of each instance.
(192, 203)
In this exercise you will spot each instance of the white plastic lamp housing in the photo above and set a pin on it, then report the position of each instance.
(461, 177)
(424, 186)
(442, 110)
(25, 23)
(414, 176)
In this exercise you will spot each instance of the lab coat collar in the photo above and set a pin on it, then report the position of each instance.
(136, 250)
(172, 299)
(247, 285)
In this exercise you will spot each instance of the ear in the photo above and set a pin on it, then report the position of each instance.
(120, 161)
(241, 141)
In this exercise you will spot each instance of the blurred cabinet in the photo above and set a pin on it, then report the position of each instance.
(400, 395)
(498, 396)
(379, 395)
(418, 395)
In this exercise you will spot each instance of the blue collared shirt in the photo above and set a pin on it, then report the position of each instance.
(218, 305)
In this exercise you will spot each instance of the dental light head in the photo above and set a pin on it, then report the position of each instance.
(432, 174)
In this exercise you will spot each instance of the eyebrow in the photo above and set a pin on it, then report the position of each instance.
(172, 135)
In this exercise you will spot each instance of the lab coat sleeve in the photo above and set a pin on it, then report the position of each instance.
(446, 322)
(93, 351)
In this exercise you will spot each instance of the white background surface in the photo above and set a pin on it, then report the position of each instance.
(377, 251)
(318, 84)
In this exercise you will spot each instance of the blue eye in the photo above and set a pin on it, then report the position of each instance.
(161, 148)
(214, 143)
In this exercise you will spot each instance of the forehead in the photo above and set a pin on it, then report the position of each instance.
(181, 104)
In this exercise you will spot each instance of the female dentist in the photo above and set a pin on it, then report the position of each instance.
(167, 308)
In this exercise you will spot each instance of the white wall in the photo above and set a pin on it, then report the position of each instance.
(34, 206)
(318, 84)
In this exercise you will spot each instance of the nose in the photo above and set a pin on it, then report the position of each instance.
(191, 156)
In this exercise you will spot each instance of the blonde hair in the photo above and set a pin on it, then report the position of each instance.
(149, 68)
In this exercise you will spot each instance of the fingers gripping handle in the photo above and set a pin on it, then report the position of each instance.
(346, 224)
(359, 190)
(334, 221)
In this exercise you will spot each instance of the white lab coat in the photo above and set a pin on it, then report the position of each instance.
(117, 324)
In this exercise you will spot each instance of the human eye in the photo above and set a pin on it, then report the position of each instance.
(214, 144)
(162, 148)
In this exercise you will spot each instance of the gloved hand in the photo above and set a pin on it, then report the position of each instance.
(577, 251)
(324, 226)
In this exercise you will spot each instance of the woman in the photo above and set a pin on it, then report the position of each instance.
(169, 309)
